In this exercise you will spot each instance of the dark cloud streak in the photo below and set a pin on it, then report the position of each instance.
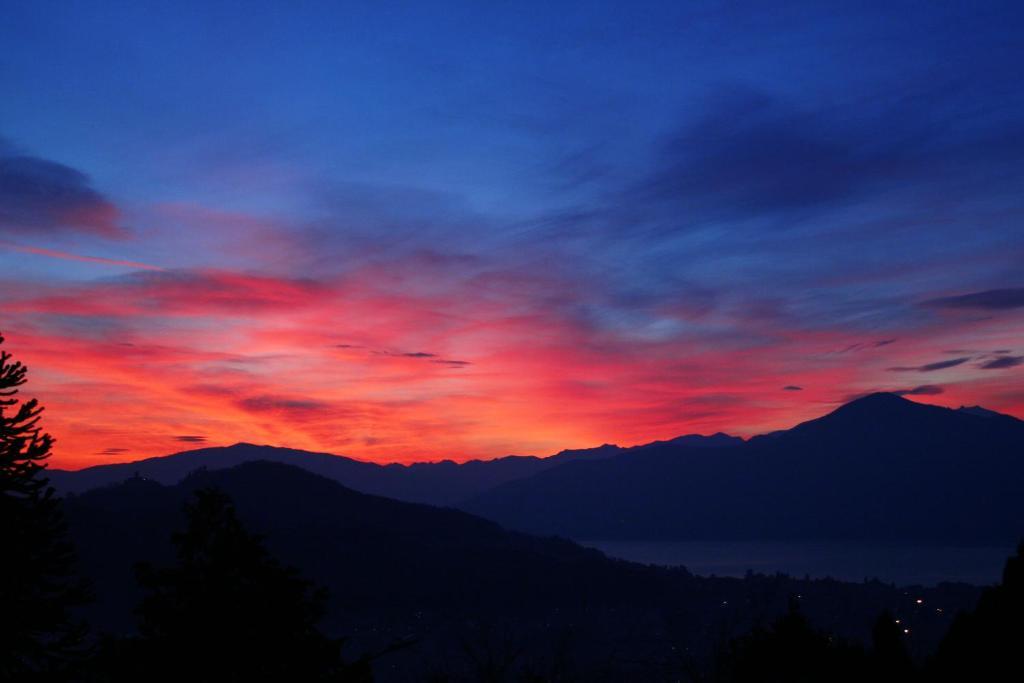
(932, 367)
(988, 300)
(1003, 363)
(922, 390)
(452, 363)
(39, 196)
(282, 404)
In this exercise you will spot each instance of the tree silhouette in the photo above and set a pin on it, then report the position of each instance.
(890, 660)
(38, 636)
(228, 611)
(791, 651)
(987, 644)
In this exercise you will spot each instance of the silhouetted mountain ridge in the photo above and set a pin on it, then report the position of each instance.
(880, 468)
(985, 412)
(396, 569)
(845, 475)
(438, 483)
(371, 550)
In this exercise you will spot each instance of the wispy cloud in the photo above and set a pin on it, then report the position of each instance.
(923, 390)
(68, 256)
(452, 363)
(1002, 363)
(988, 300)
(45, 197)
(931, 367)
(113, 451)
(564, 261)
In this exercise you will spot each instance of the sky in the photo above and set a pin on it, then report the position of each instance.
(427, 230)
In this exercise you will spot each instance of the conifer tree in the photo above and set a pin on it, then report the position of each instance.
(890, 659)
(38, 636)
(986, 644)
(228, 611)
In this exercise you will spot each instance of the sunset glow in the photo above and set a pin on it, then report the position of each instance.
(469, 248)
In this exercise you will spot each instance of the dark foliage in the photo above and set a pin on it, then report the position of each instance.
(475, 596)
(38, 589)
(227, 611)
(486, 603)
(791, 651)
(981, 645)
(889, 660)
(987, 644)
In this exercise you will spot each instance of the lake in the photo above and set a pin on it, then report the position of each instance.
(903, 565)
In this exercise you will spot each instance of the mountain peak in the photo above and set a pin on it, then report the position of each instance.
(870, 409)
(879, 399)
(716, 440)
(979, 411)
(877, 404)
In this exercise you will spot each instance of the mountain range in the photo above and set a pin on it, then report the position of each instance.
(464, 588)
(437, 483)
(880, 468)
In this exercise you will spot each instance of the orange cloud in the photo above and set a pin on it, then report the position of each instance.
(351, 365)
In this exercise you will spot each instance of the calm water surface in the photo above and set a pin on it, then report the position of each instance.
(904, 565)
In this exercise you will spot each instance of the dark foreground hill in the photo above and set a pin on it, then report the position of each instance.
(378, 552)
(437, 483)
(463, 585)
(877, 469)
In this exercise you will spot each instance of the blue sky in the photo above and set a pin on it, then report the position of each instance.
(652, 183)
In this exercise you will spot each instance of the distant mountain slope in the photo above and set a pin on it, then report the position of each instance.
(440, 483)
(395, 569)
(371, 550)
(985, 412)
(171, 469)
(880, 468)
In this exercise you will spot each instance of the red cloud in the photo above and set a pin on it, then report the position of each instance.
(350, 365)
